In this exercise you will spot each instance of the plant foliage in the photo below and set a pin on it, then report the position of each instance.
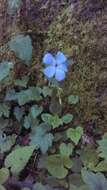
(22, 47)
(43, 143)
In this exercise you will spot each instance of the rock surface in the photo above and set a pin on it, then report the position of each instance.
(81, 32)
(79, 28)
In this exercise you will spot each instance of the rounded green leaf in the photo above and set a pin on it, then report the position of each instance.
(4, 174)
(67, 118)
(41, 138)
(18, 158)
(73, 99)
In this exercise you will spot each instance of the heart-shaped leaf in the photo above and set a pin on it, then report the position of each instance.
(75, 134)
(66, 149)
(57, 165)
(30, 94)
(52, 120)
(41, 138)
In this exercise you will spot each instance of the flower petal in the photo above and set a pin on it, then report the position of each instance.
(48, 59)
(60, 74)
(60, 58)
(49, 71)
(63, 67)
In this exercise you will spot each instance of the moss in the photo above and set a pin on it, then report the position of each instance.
(86, 42)
(81, 38)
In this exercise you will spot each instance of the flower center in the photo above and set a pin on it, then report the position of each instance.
(56, 64)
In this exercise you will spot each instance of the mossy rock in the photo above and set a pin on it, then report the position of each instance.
(85, 40)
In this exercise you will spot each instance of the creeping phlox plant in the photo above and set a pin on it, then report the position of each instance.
(56, 66)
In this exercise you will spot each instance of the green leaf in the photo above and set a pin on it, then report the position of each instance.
(5, 68)
(4, 174)
(55, 107)
(30, 122)
(66, 149)
(18, 158)
(67, 118)
(39, 186)
(11, 95)
(94, 181)
(22, 82)
(73, 99)
(27, 121)
(46, 91)
(75, 134)
(83, 187)
(58, 165)
(53, 121)
(22, 46)
(31, 94)
(56, 121)
(36, 110)
(41, 138)
(18, 112)
(4, 110)
(101, 167)
(46, 117)
(102, 149)
(89, 157)
(77, 164)
(6, 142)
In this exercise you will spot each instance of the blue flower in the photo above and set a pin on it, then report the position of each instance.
(55, 66)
